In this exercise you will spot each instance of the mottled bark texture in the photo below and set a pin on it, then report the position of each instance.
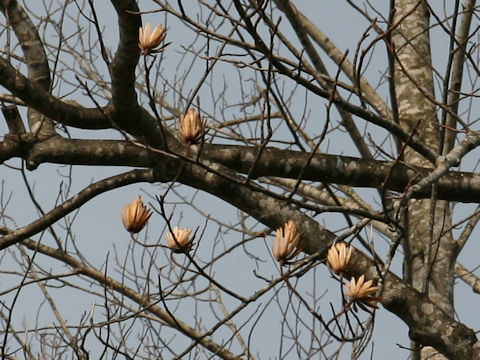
(345, 170)
(35, 59)
(428, 323)
(429, 247)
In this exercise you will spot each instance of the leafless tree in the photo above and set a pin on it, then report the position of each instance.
(252, 103)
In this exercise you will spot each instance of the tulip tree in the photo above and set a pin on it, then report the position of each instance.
(256, 105)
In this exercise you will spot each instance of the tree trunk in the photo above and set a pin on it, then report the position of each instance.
(429, 246)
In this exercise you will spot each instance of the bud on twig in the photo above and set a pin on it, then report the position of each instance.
(285, 248)
(339, 256)
(148, 41)
(179, 241)
(135, 216)
(361, 293)
(191, 127)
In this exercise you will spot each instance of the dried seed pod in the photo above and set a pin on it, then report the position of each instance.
(179, 240)
(191, 127)
(135, 215)
(149, 41)
(339, 256)
(361, 293)
(286, 246)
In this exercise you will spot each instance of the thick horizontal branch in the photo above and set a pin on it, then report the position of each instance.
(87, 152)
(335, 169)
(344, 170)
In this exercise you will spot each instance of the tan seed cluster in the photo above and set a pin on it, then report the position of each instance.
(149, 41)
(191, 127)
(362, 292)
(339, 256)
(286, 246)
(179, 240)
(135, 216)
